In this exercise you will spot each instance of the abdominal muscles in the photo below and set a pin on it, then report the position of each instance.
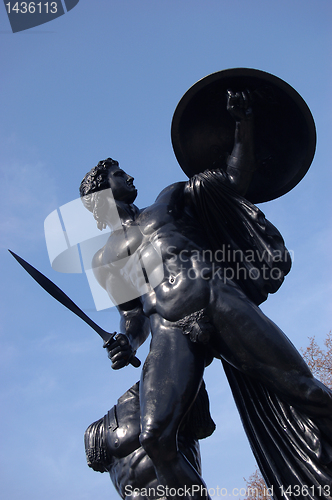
(183, 290)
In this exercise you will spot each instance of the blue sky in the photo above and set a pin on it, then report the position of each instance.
(104, 80)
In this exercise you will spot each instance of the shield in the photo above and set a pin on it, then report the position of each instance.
(284, 130)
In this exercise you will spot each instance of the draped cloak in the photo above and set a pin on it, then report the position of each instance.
(293, 453)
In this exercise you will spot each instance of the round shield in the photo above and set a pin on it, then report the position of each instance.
(284, 130)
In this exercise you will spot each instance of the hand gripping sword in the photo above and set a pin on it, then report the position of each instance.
(61, 297)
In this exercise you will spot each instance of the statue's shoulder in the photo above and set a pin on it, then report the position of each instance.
(173, 191)
(98, 267)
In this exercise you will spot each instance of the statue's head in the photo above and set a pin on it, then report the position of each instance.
(107, 174)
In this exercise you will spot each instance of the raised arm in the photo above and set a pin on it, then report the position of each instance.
(241, 162)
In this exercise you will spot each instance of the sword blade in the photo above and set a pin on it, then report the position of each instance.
(61, 297)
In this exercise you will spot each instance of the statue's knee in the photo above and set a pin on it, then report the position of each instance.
(311, 395)
(318, 393)
(149, 440)
(157, 445)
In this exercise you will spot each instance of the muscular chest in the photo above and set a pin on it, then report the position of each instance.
(151, 224)
(165, 223)
(123, 242)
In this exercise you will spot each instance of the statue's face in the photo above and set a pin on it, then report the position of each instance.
(122, 185)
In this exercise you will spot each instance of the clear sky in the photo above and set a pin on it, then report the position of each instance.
(104, 80)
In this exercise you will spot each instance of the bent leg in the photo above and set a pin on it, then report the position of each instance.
(252, 343)
(171, 378)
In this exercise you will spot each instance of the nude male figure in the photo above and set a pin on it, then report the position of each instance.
(196, 311)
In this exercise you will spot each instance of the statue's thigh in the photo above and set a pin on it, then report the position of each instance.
(171, 377)
(246, 338)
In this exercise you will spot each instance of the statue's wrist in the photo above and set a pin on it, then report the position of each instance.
(237, 164)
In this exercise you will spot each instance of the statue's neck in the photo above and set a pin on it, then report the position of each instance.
(126, 214)
(126, 211)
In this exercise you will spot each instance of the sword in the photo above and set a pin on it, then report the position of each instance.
(61, 297)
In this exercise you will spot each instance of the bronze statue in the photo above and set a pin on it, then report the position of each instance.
(221, 258)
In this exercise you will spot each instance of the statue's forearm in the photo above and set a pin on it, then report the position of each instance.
(135, 325)
(241, 162)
